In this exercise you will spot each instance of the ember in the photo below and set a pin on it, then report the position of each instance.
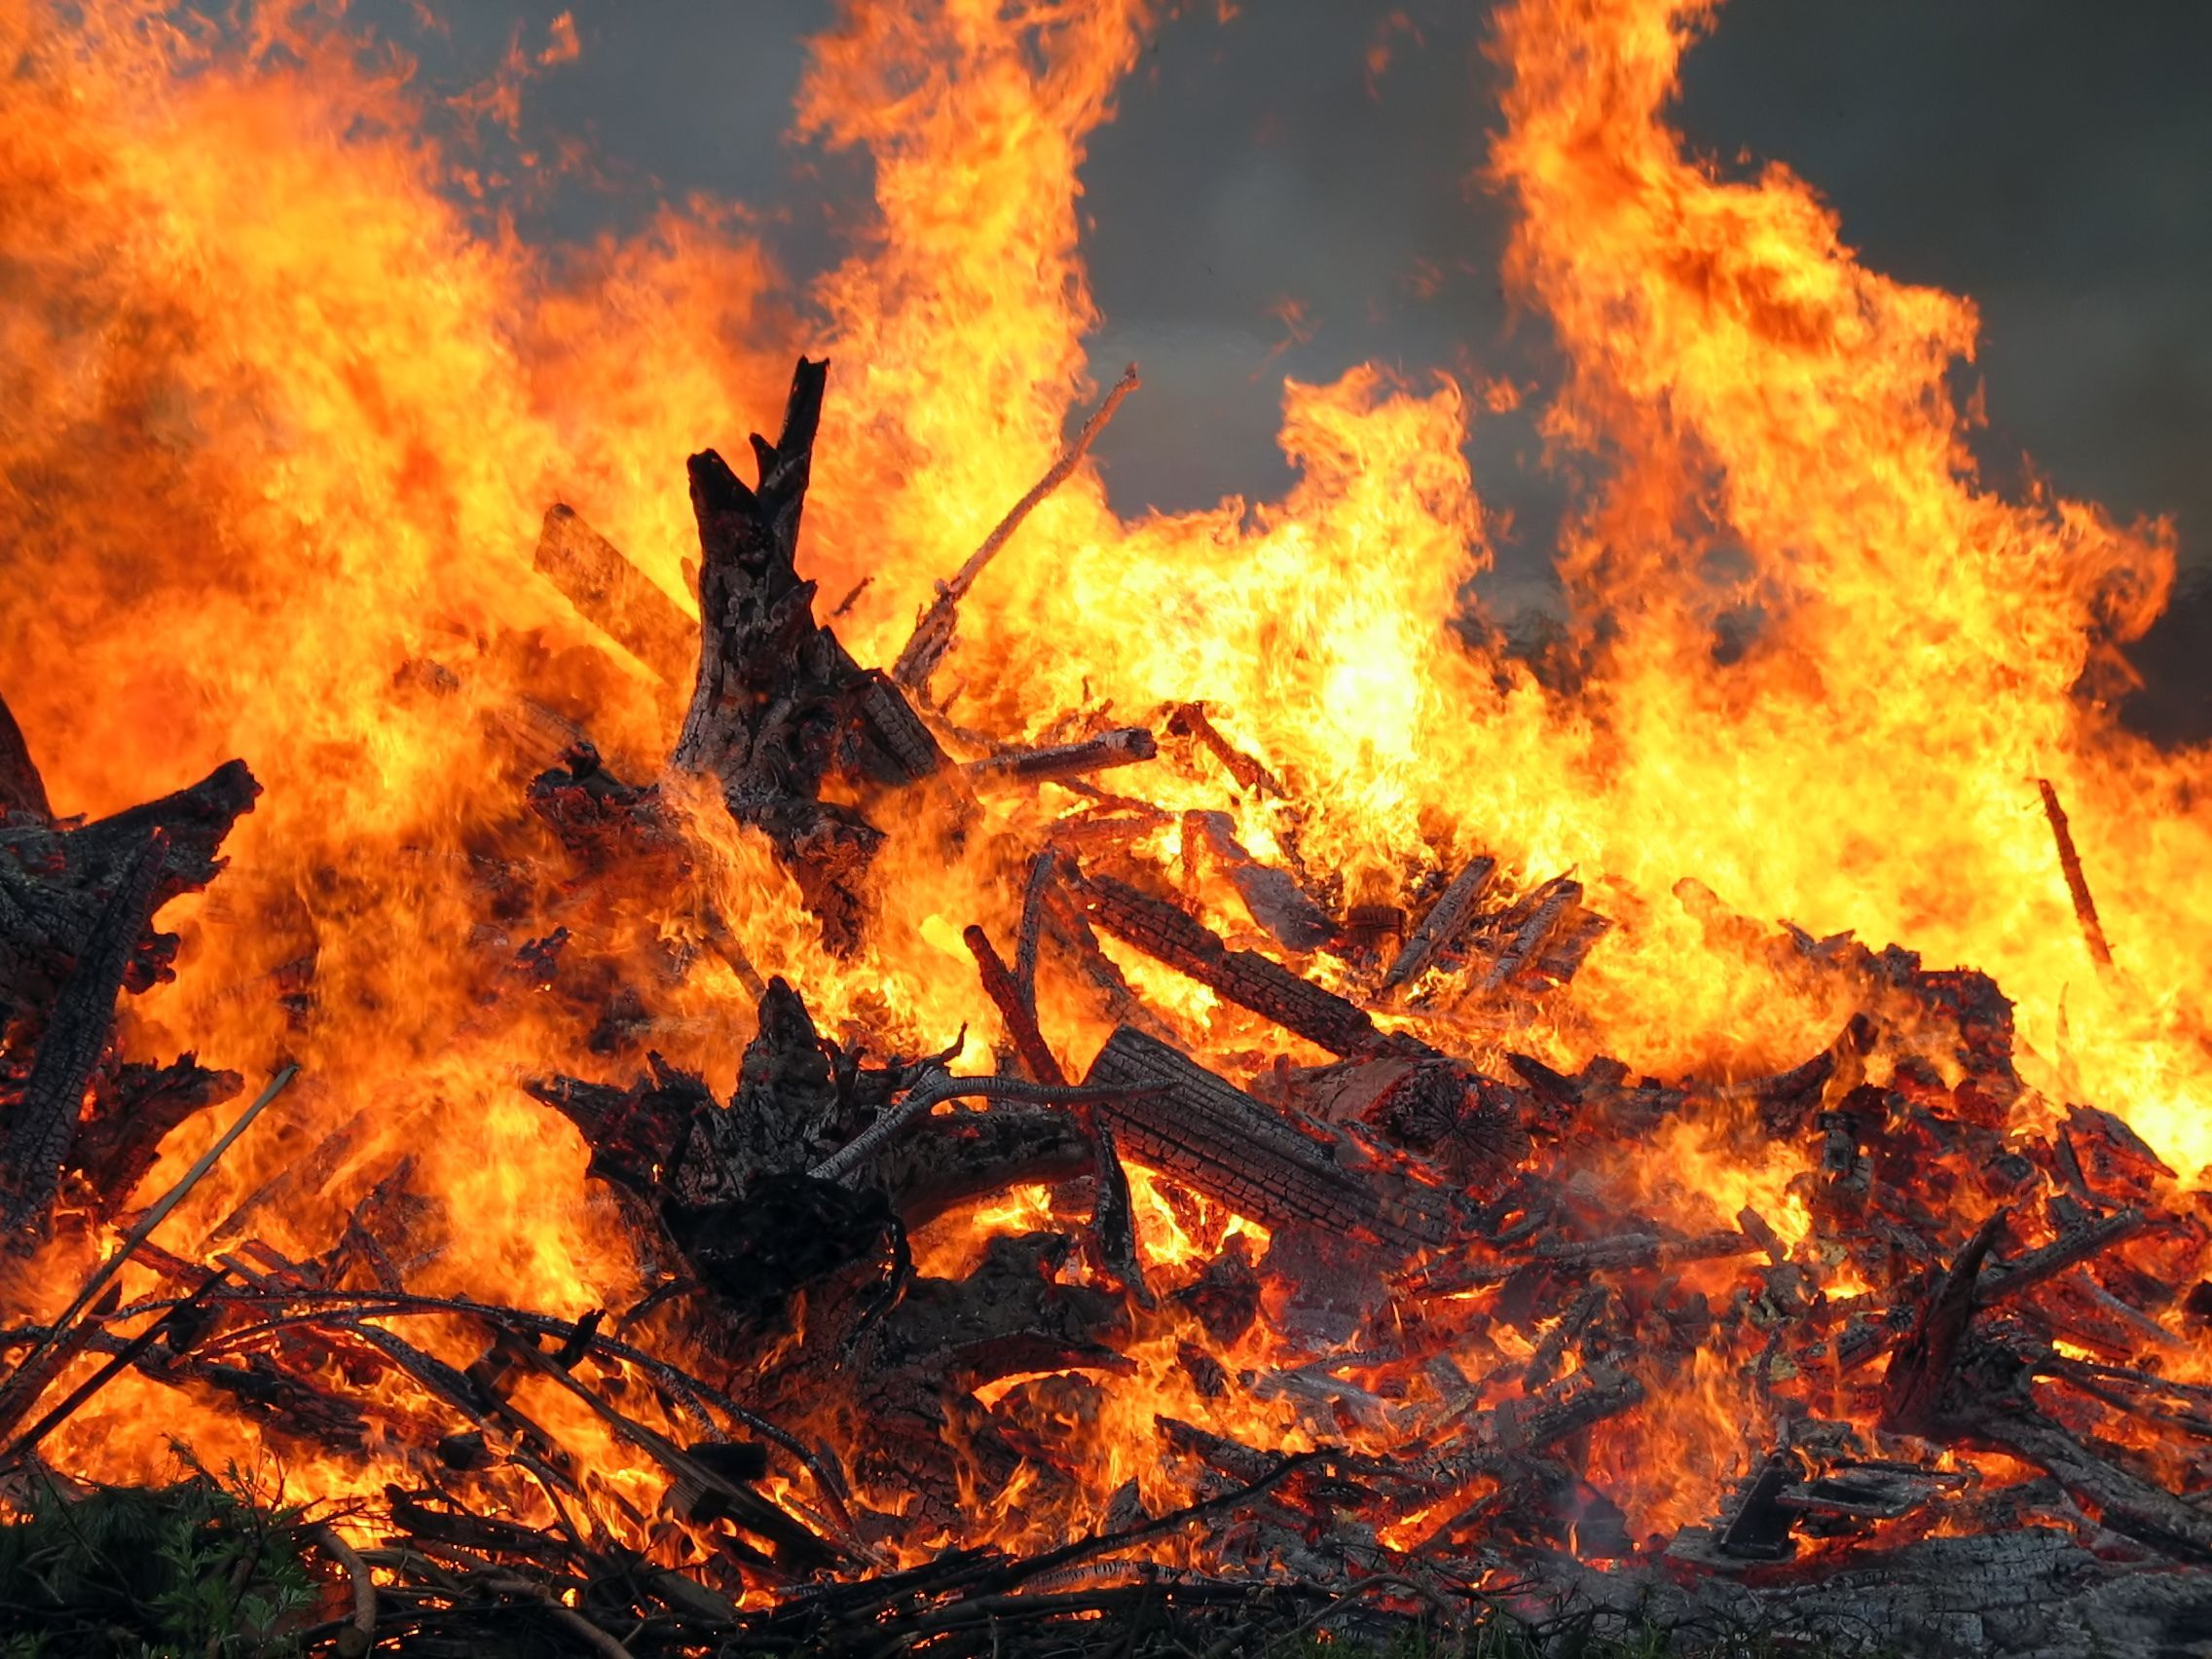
(1195, 1080)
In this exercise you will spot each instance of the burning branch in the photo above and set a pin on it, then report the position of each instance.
(2077, 883)
(933, 632)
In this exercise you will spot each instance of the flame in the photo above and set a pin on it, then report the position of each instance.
(284, 404)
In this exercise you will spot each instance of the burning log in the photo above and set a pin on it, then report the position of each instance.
(1124, 746)
(1182, 1118)
(614, 595)
(1242, 977)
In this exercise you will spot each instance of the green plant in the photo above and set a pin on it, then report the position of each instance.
(204, 1569)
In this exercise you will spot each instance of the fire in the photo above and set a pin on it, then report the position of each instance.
(281, 420)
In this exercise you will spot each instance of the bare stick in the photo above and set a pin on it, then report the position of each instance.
(2076, 884)
(932, 634)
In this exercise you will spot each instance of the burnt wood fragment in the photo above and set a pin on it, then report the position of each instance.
(1245, 978)
(21, 790)
(1215, 1137)
(44, 1123)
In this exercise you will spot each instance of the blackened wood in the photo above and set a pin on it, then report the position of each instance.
(1917, 1393)
(1272, 897)
(1446, 920)
(44, 1123)
(1215, 1137)
(1245, 978)
(120, 1137)
(21, 788)
(1113, 1217)
(613, 594)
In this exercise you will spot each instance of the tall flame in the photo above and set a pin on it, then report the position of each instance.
(279, 420)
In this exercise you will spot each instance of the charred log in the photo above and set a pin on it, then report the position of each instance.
(1245, 978)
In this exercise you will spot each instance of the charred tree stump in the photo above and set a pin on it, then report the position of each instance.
(778, 706)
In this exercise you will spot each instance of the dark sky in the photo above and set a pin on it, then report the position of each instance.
(2049, 158)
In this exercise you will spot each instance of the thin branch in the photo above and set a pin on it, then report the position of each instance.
(932, 634)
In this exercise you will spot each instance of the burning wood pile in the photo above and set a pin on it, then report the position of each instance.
(951, 1359)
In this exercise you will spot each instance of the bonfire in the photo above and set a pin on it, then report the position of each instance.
(898, 1060)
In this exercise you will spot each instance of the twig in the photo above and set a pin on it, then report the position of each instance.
(172, 1321)
(2076, 884)
(153, 1217)
(932, 634)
